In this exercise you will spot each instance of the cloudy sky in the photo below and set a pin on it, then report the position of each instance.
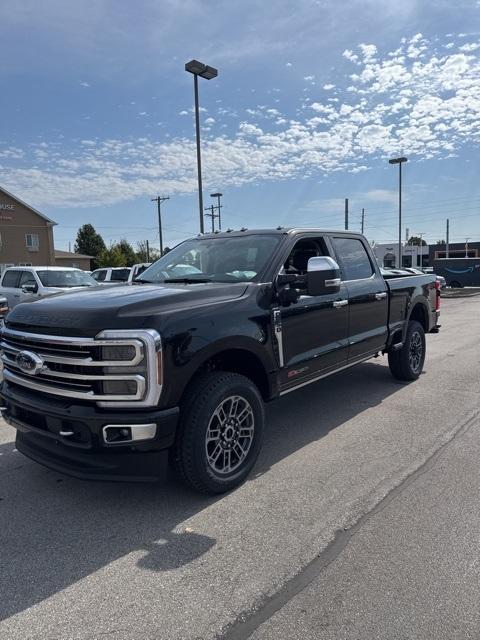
(312, 98)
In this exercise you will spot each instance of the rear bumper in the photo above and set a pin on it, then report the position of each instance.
(84, 454)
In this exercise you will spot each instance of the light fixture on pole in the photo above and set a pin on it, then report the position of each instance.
(219, 207)
(399, 161)
(204, 71)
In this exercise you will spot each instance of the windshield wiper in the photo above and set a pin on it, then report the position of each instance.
(144, 280)
(187, 280)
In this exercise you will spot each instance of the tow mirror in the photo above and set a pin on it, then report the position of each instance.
(30, 288)
(323, 276)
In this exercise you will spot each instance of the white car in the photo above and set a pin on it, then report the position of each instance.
(25, 284)
(109, 275)
(137, 270)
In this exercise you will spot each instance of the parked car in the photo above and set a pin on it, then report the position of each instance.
(109, 275)
(25, 284)
(136, 270)
(3, 309)
(114, 383)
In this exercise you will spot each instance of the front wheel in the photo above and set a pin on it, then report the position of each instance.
(220, 432)
(407, 362)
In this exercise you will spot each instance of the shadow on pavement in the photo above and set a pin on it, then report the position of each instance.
(56, 530)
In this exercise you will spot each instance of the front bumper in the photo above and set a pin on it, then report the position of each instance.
(84, 454)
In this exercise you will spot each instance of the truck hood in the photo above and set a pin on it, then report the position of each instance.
(88, 311)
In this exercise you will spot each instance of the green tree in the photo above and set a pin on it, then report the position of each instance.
(417, 241)
(440, 242)
(154, 253)
(112, 257)
(130, 257)
(90, 243)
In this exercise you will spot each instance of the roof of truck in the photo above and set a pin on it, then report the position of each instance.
(278, 231)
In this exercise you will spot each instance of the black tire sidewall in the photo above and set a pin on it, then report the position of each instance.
(198, 418)
(414, 327)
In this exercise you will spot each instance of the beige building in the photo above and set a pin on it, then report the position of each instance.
(69, 259)
(26, 235)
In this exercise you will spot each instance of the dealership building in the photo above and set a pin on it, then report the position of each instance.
(26, 238)
(26, 235)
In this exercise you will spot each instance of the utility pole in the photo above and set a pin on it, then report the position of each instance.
(211, 215)
(148, 251)
(218, 195)
(447, 239)
(346, 213)
(159, 200)
(420, 244)
(363, 219)
(466, 246)
(399, 161)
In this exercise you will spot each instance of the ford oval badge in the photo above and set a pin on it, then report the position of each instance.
(29, 363)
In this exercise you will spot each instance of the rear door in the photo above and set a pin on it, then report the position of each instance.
(10, 287)
(367, 297)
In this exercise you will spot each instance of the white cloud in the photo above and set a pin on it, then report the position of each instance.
(288, 64)
(328, 87)
(422, 105)
(183, 113)
(84, 84)
(309, 78)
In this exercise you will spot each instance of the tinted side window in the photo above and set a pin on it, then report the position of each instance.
(120, 274)
(99, 276)
(353, 257)
(27, 278)
(10, 279)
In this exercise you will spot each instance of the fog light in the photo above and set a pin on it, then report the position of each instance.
(122, 433)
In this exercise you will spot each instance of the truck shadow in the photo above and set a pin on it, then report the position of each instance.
(55, 531)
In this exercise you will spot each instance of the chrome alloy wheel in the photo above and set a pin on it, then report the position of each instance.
(229, 435)
(415, 351)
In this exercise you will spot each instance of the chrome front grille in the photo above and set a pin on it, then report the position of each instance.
(116, 368)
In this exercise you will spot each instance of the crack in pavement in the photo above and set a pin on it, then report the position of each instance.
(249, 621)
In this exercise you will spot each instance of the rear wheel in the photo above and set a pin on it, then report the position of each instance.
(407, 362)
(455, 284)
(220, 432)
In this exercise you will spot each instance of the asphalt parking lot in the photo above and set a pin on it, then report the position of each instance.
(360, 521)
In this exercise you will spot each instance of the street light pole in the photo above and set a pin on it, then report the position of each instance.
(466, 246)
(219, 207)
(399, 161)
(159, 200)
(204, 71)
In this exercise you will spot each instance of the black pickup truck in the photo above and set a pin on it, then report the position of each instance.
(115, 382)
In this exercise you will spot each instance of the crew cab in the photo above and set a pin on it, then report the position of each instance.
(25, 284)
(111, 275)
(116, 382)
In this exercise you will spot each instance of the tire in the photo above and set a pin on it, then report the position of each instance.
(456, 285)
(205, 413)
(407, 362)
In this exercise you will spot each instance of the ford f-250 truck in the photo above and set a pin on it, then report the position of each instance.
(113, 382)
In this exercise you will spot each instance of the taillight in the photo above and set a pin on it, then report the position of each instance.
(437, 300)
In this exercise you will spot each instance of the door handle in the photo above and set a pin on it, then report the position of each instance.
(340, 303)
(381, 296)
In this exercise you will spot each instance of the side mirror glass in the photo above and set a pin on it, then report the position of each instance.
(30, 288)
(323, 276)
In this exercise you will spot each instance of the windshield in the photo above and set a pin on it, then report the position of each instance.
(235, 259)
(65, 278)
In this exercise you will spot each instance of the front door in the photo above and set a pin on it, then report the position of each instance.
(314, 331)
